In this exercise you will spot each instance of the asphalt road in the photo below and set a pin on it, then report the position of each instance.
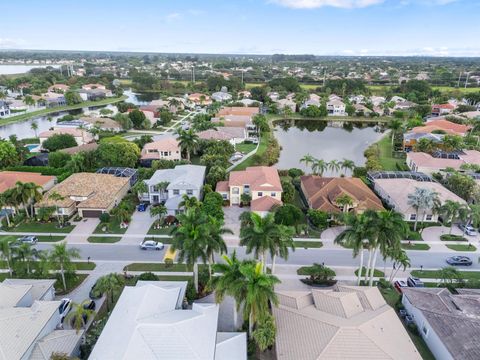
(331, 257)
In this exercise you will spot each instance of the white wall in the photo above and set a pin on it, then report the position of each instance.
(232, 349)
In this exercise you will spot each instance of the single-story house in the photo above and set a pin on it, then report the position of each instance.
(394, 192)
(404, 105)
(448, 323)
(362, 109)
(93, 86)
(286, 103)
(102, 123)
(168, 105)
(94, 94)
(238, 110)
(410, 139)
(81, 148)
(59, 88)
(262, 183)
(81, 136)
(244, 121)
(199, 99)
(88, 194)
(442, 125)
(8, 179)
(442, 109)
(137, 329)
(54, 99)
(346, 322)
(166, 149)
(221, 96)
(322, 193)
(23, 292)
(169, 185)
(234, 135)
(426, 163)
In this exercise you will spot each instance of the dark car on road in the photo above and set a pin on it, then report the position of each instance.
(414, 282)
(459, 261)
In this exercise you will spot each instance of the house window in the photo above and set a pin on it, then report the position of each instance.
(235, 190)
(189, 192)
(260, 193)
(429, 217)
(176, 192)
(413, 217)
(224, 196)
(273, 194)
(246, 189)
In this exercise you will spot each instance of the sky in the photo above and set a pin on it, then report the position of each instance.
(320, 27)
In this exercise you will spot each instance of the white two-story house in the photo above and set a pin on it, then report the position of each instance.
(168, 186)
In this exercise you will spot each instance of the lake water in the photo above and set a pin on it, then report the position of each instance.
(20, 69)
(334, 140)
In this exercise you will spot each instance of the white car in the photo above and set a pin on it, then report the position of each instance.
(151, 245)
(65, 307)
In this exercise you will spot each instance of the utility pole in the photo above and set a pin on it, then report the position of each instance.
(242, 76)
(193, 74)
(459, 76)
(466, 80)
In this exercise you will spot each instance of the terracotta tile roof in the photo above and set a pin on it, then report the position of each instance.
(99, 191)
(238, 110)
(321, 193)
(76, 149)
(222, 186)
(260, 178)
(8, 179)
(223, 133)
(445, 125)
(78, 133)
(102, 122)
(264, 203)
(443, 106)
(166, 144)
(233, 120)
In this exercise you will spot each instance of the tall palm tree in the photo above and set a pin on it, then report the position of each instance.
(6, 253)
(56, 197)
(189, 202)
(79, 316)
(319, 166)
(347, 165)
(389, 229)
(26, 253)
(281, 244)
(3, 204)
(62, 257)
(450, 212)
(230, 274)
(344, 201)
(34, 127)
(35, 194)
(258, 235)
(109, 285)
(189, 238)
(358, 235)
(400, 260)
(334, 166)
(23, 195)
(394, 125)
(158, 210)
(423, 199)
(214, 240)
(308, 160)
(188, 141)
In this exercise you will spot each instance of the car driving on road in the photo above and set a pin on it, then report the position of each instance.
(459, 260)
(28, 239)
(151, 245)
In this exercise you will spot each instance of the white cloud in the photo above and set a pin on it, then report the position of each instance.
(312, 4)
(173, 16)
(7, 43)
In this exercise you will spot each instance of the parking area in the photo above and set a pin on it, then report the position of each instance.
(232, 214)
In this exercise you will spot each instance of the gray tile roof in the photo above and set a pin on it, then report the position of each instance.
(181, 177)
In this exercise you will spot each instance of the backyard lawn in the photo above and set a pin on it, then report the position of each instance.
(386, 159)
(36, 227)
(104, 239)
(462, 247)
(245, 148)
(262, 147)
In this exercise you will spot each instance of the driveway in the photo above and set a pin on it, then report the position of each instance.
(139, 226)
(431, 235)
(232, 222)
(82, 231)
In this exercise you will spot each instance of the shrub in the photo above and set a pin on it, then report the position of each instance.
(59, 141)
(318, 218)
(288, 214)
(359, 171)
(148, 276)
(105, 218)
(168, 263)
(320, 274)
(58, 159)
(294, 172)
(451, 237)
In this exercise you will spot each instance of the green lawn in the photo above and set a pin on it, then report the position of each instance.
(84, 265)
(416, 247)
(26, 116)
(376, 272)
(387, 161)
(161, 231)
(462, 247)
(435, 274)
(36, 227)
(392, 297)
(114, 227)
(262, 147)
(245, 148)
(157, 267)
(308, 244)
(104, 239)
(451, 237)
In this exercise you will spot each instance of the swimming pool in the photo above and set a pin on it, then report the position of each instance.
(32, 147)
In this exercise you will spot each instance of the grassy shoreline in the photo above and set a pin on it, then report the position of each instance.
(26, 116)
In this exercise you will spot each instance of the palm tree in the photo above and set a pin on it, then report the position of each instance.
(189, 238)
(450, 211)
(308, 160)
(6, 254)
(264, 334)
(140, 188)
(56, 197)
(400, 260)
(319, 166)
(334, 166)
(347, 164)
(26, 253)
(189, 202)
(3, 204)
(158, 210)
(188, 141)
(394, 125)
(258, 235)
(357, 235)
(23, 195)
(281, 243)
(62, 257)
(34, 127)
(423, 199)
(449, 275)
(79, 316)
(389, 229)
(230, 274)
(109, 285)
(35, 194)
(214, 240)
(344, 201)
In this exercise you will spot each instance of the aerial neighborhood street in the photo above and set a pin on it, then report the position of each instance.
(291, 180)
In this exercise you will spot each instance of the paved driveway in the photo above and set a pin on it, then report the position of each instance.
(83, 230)
(232, 222)
(139, 226)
